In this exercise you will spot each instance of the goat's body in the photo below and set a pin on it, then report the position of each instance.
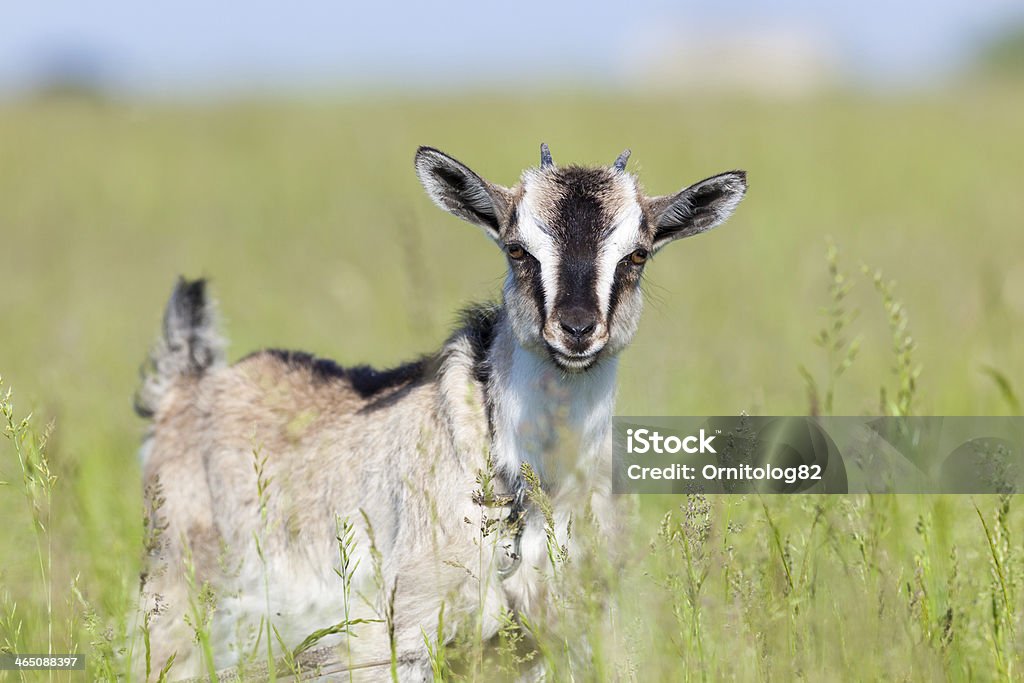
(403, 450)
(250, 469)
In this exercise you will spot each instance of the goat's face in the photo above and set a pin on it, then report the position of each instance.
(577, 241)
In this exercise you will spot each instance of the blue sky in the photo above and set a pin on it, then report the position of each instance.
(197, 47)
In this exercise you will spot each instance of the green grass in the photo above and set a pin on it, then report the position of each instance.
(311, 223)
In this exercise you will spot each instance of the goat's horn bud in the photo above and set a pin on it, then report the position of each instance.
(545, 156)
(620, 163)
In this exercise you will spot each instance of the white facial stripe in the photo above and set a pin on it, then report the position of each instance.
(622, 240)
(542, 246)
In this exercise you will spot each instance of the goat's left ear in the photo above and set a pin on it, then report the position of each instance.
(696, 209)
(458, 190)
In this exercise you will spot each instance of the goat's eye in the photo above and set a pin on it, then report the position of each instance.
(515, 251)
(639, 257)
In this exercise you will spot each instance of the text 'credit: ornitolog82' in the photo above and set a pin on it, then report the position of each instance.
(747, 454)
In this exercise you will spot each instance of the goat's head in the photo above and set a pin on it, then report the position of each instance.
(577, 240)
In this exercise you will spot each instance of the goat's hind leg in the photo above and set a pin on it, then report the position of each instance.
(162, 621)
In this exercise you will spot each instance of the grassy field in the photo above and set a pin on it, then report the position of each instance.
(309, 220)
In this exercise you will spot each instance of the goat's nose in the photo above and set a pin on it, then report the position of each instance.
(578, 323)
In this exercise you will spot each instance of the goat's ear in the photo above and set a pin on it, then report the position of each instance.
(696, 209)
(460, 191)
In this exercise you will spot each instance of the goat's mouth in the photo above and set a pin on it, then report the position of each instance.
(574, 362)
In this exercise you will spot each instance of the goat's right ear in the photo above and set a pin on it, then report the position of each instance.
(461, 192)
(697, 208)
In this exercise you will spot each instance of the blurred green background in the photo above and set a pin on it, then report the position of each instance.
(310, 222)
(306, 214)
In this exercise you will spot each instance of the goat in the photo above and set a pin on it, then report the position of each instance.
(398, 454)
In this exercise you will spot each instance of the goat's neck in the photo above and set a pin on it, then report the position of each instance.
(558, 423)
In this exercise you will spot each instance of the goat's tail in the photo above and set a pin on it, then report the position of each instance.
(189, 346)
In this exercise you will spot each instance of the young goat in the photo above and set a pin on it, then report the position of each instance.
(397, 456)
